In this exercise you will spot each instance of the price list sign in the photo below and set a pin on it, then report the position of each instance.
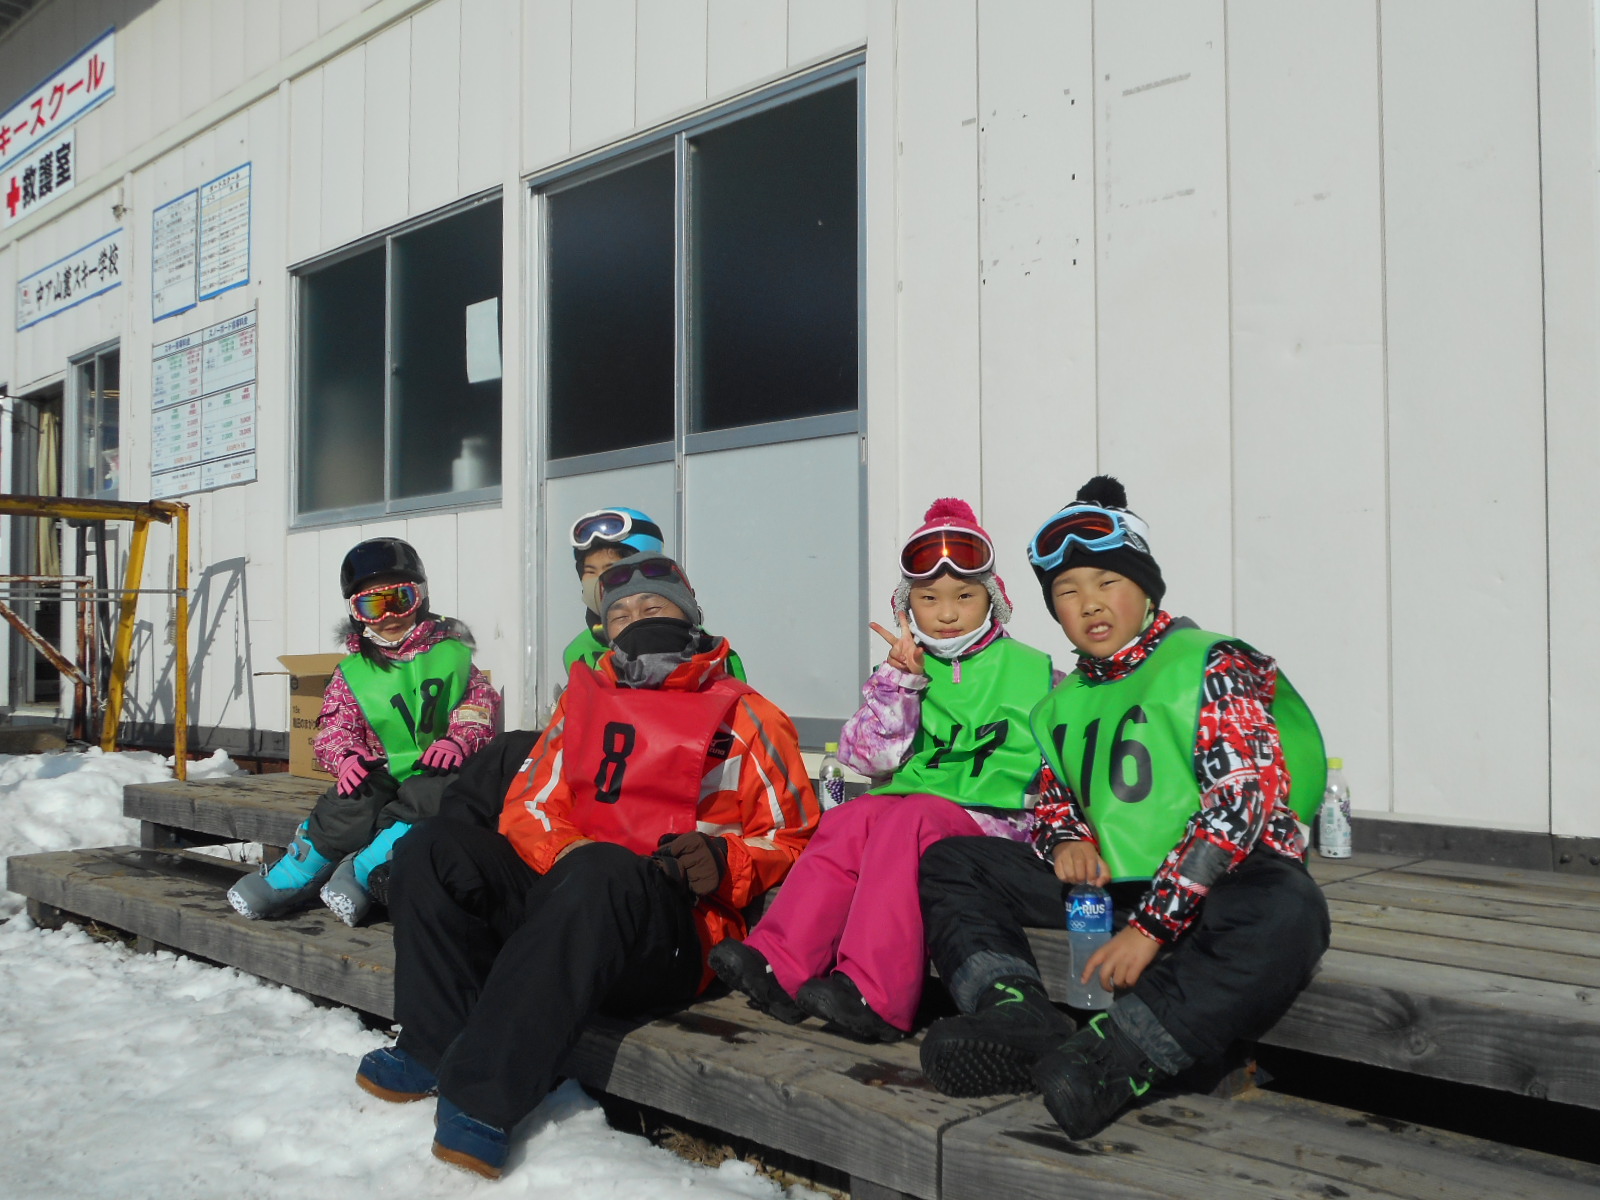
(203, 392)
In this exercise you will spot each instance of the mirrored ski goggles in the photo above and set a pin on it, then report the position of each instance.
(1084, 526)
(962, 550)
(386, 600)
(655, 568)
(608, 525)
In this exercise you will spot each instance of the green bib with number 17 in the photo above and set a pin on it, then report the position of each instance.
(409, 705)
(972, 746)
(1126, 749)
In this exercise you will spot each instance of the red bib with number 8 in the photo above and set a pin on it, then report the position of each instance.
(634, 758)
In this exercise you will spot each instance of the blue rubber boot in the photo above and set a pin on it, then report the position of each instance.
(380, 850)
(292, 881)
(394, 1075)
(469, 1143)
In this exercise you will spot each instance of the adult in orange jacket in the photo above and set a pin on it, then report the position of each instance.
(663, 798)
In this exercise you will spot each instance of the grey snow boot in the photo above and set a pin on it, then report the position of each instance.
(346, 898)
(291, 882)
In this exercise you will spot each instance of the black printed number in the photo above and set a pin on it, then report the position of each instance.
(1132, 775)
(432, 692)
(618, 740)
(1130, 757)
(995, 732)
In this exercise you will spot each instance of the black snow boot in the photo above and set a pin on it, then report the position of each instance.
(1093, 1077)
(990, 1051)
(836, 999)
(745, 970)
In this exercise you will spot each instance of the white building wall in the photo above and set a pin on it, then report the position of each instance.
(1317, 281)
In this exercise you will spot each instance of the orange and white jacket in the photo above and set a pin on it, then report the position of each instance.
(758, 797)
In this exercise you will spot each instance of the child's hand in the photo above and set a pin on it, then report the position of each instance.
(1122, 960)
(1080, 862)
(904, 653)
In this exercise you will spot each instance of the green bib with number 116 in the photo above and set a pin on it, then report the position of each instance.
(972, 746)
(1126, 749)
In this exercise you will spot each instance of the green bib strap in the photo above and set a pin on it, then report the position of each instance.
(1126, 749)
(409, 705)
(972, 745)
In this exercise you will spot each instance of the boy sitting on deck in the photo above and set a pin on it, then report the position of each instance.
(1169, 755)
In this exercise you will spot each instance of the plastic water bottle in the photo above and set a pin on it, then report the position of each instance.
(830, 777)
(1333, 821)
(1088, 928)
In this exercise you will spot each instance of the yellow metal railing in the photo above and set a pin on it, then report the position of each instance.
(166, 512)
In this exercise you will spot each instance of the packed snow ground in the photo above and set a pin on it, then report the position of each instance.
(154, 1077)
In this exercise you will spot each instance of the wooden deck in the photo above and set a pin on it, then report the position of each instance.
(1443, 970)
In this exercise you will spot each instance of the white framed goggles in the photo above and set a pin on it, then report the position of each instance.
(608, 525)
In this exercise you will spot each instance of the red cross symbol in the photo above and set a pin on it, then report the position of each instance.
(14, 196)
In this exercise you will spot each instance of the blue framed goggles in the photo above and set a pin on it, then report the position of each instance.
(610, 525)
(1083, 526)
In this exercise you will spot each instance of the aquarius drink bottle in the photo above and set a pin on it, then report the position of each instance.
(1088, 928)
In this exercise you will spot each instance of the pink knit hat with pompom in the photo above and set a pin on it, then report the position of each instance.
(951, 513)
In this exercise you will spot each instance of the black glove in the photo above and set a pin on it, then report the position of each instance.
(700, 858)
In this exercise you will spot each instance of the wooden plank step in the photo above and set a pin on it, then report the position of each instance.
(246, 808)
(179, 899)
(1259, 1145)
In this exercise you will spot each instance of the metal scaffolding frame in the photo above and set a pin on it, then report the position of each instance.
(166, 512)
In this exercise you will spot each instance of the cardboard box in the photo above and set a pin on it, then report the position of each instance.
(308, 676)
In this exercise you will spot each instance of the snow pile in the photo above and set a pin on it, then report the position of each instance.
(73, 798)
(154, 1076)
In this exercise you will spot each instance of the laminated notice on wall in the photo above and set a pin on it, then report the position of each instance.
(225, 232)
(174, 256)
(203, 393)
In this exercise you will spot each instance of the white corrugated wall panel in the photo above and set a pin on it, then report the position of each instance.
(386, 148)
(1310, 528)
(1466, 423)
(435, 99)
(1162, 283)
(602, 79)
(670, 66)
(1036, 223)
(746, 40)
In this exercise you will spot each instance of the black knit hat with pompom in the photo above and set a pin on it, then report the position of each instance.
(1131, 559)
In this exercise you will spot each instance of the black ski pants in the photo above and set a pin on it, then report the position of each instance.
(339, 824)
(1236, 970)
(497, 967)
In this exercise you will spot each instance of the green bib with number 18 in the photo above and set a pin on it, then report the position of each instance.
(973, 746)
(409, 705)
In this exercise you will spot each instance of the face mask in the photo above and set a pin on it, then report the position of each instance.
(950, 647)
(655, 635)
(591, 593)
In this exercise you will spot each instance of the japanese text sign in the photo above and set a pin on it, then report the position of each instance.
(85, 82)
(50, 169)
(81, 275)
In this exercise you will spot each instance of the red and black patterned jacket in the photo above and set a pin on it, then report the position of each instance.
(1244, 785)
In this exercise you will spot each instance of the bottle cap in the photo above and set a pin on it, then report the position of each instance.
(829, 747)
(1336, 764)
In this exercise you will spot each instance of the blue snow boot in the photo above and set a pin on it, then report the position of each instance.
(347, 893)
(395, 1075)
(469, 1143)
(291, 882)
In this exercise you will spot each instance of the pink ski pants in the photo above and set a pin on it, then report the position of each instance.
(850, 901)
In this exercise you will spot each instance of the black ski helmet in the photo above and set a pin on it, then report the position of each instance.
(376, 557)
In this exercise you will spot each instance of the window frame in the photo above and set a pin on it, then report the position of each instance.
(813, 730)
(636, 149)
(478, 498)
(76, 410)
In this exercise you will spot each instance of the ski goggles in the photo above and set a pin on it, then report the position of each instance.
(608, 525)
(964, 551)
(1084, 526)
(656, 568)
(386, 600)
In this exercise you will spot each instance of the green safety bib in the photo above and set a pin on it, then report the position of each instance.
(589, 650)
(1126, 749)
(409, 705)
(972, 745)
